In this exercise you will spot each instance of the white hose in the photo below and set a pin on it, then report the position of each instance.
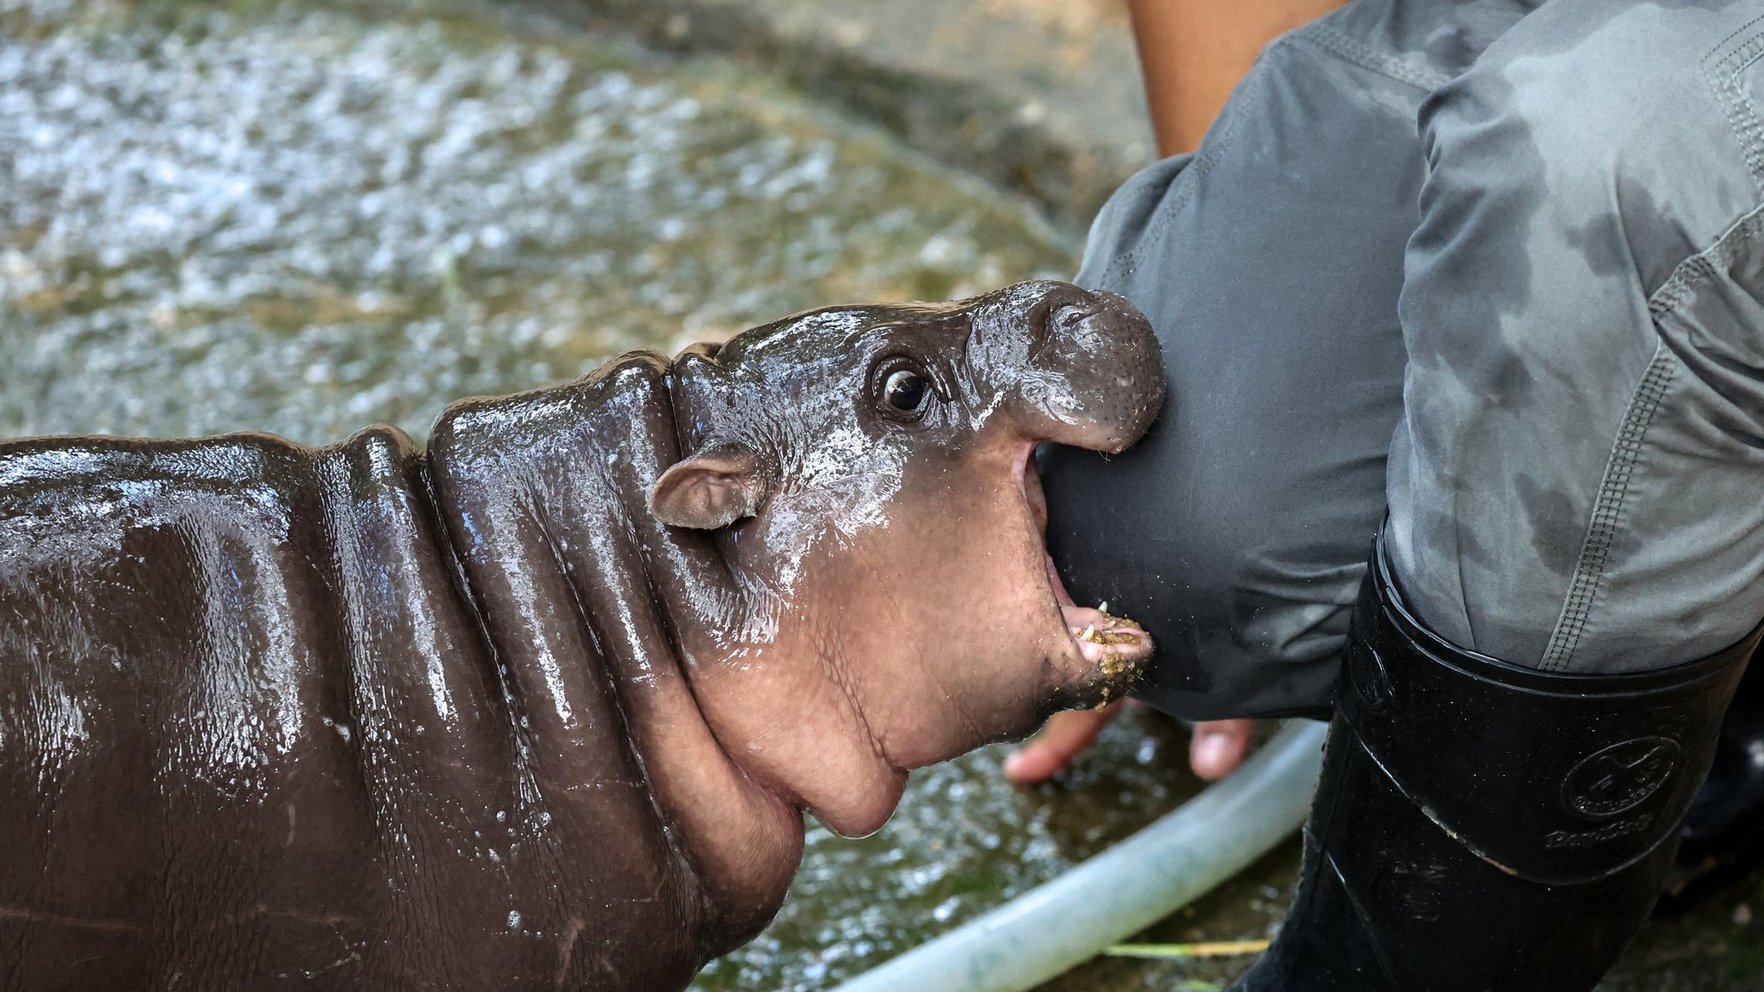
(1126, 888)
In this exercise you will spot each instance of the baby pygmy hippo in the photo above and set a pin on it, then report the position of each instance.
(540, 707)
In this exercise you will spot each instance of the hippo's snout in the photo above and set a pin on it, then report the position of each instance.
(1094, 377)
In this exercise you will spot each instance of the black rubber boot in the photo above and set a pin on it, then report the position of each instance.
(1484, 827)
(1724, 833)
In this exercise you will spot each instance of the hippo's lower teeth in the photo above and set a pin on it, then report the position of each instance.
(1091, 635)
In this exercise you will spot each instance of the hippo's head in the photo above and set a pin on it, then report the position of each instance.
(867, 475)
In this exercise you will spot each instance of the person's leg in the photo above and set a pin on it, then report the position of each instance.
(1575, 482)
(1270, 264)
(1192, 54)
(1573, 568)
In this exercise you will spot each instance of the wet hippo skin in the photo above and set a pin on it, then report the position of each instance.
(542, 707)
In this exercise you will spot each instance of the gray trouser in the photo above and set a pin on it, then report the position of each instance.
(1527, 242)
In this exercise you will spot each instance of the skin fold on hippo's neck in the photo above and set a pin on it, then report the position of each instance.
(595, 612)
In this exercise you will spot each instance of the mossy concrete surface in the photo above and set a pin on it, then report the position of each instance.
(1040, 96)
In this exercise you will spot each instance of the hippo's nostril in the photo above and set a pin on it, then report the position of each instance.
(1067, 318)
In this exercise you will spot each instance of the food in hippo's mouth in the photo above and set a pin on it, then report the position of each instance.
(1117, 646)
(1095, 643)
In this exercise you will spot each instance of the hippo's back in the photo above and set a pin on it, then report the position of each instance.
(194, 707)
(340, 718)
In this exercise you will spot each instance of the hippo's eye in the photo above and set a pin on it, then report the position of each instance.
(903, 390)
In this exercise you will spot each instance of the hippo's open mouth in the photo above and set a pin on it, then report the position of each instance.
(1115, 648)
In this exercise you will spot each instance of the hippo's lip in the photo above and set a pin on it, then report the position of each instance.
(1114, 649)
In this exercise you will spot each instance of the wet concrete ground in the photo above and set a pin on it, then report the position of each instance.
(1038, 96)
(303, 218)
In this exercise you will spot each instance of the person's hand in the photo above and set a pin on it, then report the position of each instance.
(1218, 747)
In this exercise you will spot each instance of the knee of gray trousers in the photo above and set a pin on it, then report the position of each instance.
(1269, 264)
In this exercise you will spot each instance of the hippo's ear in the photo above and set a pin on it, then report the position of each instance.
(711, 489)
